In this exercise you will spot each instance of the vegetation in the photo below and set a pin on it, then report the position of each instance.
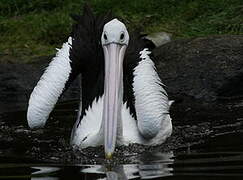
(35, 27)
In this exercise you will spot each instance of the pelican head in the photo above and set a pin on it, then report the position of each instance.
(114, 32)
(114, 41)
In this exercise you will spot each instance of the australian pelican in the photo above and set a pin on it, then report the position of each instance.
(122, 99)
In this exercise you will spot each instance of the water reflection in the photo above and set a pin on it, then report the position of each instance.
(43, 173)
(154, 165)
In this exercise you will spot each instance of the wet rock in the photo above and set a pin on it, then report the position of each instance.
(159, 38)
(204, 68)
(18, 80)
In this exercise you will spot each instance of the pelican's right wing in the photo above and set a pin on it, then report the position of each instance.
(50, 86)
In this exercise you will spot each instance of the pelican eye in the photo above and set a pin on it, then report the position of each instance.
(122, 36)
(105, 37)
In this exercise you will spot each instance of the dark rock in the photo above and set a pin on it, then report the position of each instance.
(18, 80)
(206, 68)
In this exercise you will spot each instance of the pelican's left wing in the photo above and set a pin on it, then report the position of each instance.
(50, 86)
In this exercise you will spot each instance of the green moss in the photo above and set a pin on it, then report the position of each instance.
(34, 28)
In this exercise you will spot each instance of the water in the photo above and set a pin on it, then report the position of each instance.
(158, 168)
(209, 148)
(220, 165)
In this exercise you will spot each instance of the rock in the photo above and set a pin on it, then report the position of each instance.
(159, 38)
(206, 69)
(18, 80)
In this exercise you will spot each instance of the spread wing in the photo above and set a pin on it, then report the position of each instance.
(75, 57)
(50, 87)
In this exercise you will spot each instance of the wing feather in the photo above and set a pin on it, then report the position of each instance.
(49, 88)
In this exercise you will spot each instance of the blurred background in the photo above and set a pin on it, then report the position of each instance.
(34, 28)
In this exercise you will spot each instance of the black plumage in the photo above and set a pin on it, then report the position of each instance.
(87, 58)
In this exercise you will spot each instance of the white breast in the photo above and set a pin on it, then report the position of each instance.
(87, 133)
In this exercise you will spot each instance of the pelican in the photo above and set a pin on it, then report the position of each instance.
(122, 99)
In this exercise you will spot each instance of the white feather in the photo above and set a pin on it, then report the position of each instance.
(87, 132)
(151, 101)
(49, 88)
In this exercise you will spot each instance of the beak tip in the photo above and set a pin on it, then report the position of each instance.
(108, 156)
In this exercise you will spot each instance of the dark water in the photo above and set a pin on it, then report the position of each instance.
(209, 148)
(217, 165)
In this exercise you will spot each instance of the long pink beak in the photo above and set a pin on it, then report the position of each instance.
(113, 94)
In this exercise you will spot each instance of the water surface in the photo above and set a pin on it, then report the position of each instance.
(208, 147)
